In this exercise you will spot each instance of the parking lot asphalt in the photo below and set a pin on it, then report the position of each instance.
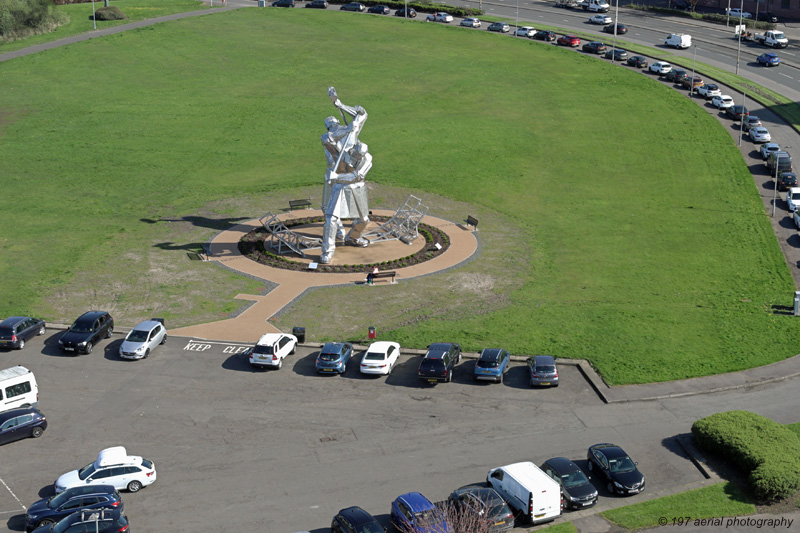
(284, 450)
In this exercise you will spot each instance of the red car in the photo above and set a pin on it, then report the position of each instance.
(569, 40)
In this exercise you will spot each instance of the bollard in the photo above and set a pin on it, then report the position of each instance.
(796, 303)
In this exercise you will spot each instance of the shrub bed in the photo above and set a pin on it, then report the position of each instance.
(109, 13)
(766, 450)
(252, 246)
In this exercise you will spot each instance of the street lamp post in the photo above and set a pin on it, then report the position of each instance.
(741, 117)
(516, 17)
(728, 14)
(739, 47)
(616, 28)
(94, 18)
(691, 82)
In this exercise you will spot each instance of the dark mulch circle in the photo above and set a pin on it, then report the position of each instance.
(252, 247)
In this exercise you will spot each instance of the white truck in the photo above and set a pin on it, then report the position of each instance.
(596, 6)
(528, 490)
(770, 38)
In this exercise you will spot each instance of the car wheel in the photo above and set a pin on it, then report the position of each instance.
(42, 330)
(147, 353)
(449, 376)
(459, 359)
(294, 349)
(45, 522)
(89, 347)
(134, 486)
(21, 344)
(164, 340)
(499, 379)
(37, 432)
(610, 488)
(109, 332)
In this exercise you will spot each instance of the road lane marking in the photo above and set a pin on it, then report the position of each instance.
(782, 74)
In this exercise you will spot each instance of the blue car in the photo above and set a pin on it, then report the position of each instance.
(413, 512)
(53, 509)
(492, 364)
(333, 357)
(769, 60)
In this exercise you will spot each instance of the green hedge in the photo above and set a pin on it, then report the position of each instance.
(765, 449)
(421, 7)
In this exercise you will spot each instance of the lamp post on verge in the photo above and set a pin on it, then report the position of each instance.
(728, 15)
(616, 27)
(741, 117)
(405, 9)
(691, 82)
(94, 19)
(739, 47)
(516, 17)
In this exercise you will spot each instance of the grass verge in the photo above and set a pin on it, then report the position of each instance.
(723, 499)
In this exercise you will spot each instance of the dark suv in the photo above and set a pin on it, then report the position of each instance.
(15, 330)
(58, 507)
(677, 76)
(88, 330)
(94, 520)
(439, 363)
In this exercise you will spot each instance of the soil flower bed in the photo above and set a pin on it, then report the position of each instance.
(252, 247)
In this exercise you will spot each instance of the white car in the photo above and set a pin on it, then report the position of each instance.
(440, 17)
(660, 67)
(759, 135)
(600, 19)
(113, 467)
(722, 101)
(380, 358)
(737, 12)
(142, 340)
(271, 350)
(768, 148)
(471, 22)
(793, 198)
(709, 91)
(525, 31)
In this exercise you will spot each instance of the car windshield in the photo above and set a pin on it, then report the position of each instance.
(545, 369)
(374, 356)
(623, 464)
(147, 464)
(573, 479)
(329, 357)
(86, 471)
(372, 527)
(431, 364)
(137, 335)
(488, 364)
(81, 327)
(265, 349)
(6, 331)
(427, 518)
(796, 196)
(779, 35)
(56, 501)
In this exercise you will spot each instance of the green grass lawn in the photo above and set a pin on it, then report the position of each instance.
(619, 222)
(80, 18)
(723, 499)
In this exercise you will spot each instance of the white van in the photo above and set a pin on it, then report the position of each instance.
(678, 40)
(18, 388)
(528, 490)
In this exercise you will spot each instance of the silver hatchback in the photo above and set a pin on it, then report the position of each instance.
(143, 339)
(543, 371)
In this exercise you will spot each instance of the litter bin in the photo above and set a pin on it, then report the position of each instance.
(300, 333)
(372, 332)
(262, 3)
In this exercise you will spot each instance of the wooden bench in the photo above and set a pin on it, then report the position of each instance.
(387, 274)
(472, 221)
(297, 204)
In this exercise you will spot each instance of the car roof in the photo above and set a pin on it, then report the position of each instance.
(13, 413)
(91, 316)
(270, 338)
(357, 516)
(90, 489)
(484, 494)
(416, 502)
(333, 347)
(382, 346)
(562, 464)
(13, 320)
(147, 325)
(544, 359)
(611, 451)
(491, 354)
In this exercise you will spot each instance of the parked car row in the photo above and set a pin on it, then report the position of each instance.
(523, 491)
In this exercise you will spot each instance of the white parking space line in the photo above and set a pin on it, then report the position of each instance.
(12, 494)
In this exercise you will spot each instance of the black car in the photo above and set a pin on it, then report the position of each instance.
(787, 180)
(22, 423)
(58, 507)
(676, 75)
(353, 6)
(317, 4)
(619, 471)
(638, 61)
(544, 35)
(88, 330)
(283, 3)
(484, 504)
(355, 520)
(380, 10)
(683, 6)
(406, 12)
(767, 17)
(577, 492)
(16, 330)
(617, 54)
(621, 29)
(736, 112)
(594, 47)
(89, 520)
(439, 363)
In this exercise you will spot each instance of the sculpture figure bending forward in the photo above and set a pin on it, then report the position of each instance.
(344, 195)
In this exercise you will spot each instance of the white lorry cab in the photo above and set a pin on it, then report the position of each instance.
(528, 490)
(18, 388)
(678, 40)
